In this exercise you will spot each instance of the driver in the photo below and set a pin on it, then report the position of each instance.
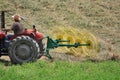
(17, 27)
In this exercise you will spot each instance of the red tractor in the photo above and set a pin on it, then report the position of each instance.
(21, 48)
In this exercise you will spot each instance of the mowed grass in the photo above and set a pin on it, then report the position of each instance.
(60, 70)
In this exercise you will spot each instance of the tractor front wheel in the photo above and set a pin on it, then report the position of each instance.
(23, 49)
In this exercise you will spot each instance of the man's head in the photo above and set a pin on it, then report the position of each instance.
(16, 18)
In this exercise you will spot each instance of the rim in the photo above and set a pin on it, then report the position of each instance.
(23, 51)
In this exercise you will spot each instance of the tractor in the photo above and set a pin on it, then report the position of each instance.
(28, 46)
(21, 48)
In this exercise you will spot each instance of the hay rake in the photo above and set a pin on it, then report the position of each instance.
(86, 41)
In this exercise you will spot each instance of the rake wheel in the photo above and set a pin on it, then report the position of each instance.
(91, 50)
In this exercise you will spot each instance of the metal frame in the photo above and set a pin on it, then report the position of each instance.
(51, 44)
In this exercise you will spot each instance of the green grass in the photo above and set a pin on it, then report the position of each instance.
(59, 70)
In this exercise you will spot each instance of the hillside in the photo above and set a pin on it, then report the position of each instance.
(101, 17)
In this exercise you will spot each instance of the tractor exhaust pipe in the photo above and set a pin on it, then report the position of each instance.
(2, 19)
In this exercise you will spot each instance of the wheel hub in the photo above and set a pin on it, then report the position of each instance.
(23, 51)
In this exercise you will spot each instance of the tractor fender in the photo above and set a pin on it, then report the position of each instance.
(39, 35)
(30, 35)
(33, 34)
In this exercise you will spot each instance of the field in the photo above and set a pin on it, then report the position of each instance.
(44, 70)
(100, 17)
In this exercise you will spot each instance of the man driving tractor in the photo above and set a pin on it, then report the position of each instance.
(17, 27)
(25, 45)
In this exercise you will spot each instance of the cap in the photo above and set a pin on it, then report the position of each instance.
(16, 17)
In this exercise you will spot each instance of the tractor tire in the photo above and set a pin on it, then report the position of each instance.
(23, 49)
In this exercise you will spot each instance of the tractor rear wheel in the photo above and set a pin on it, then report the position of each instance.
(23, 49)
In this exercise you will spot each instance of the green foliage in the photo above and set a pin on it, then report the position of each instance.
(108, 70)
